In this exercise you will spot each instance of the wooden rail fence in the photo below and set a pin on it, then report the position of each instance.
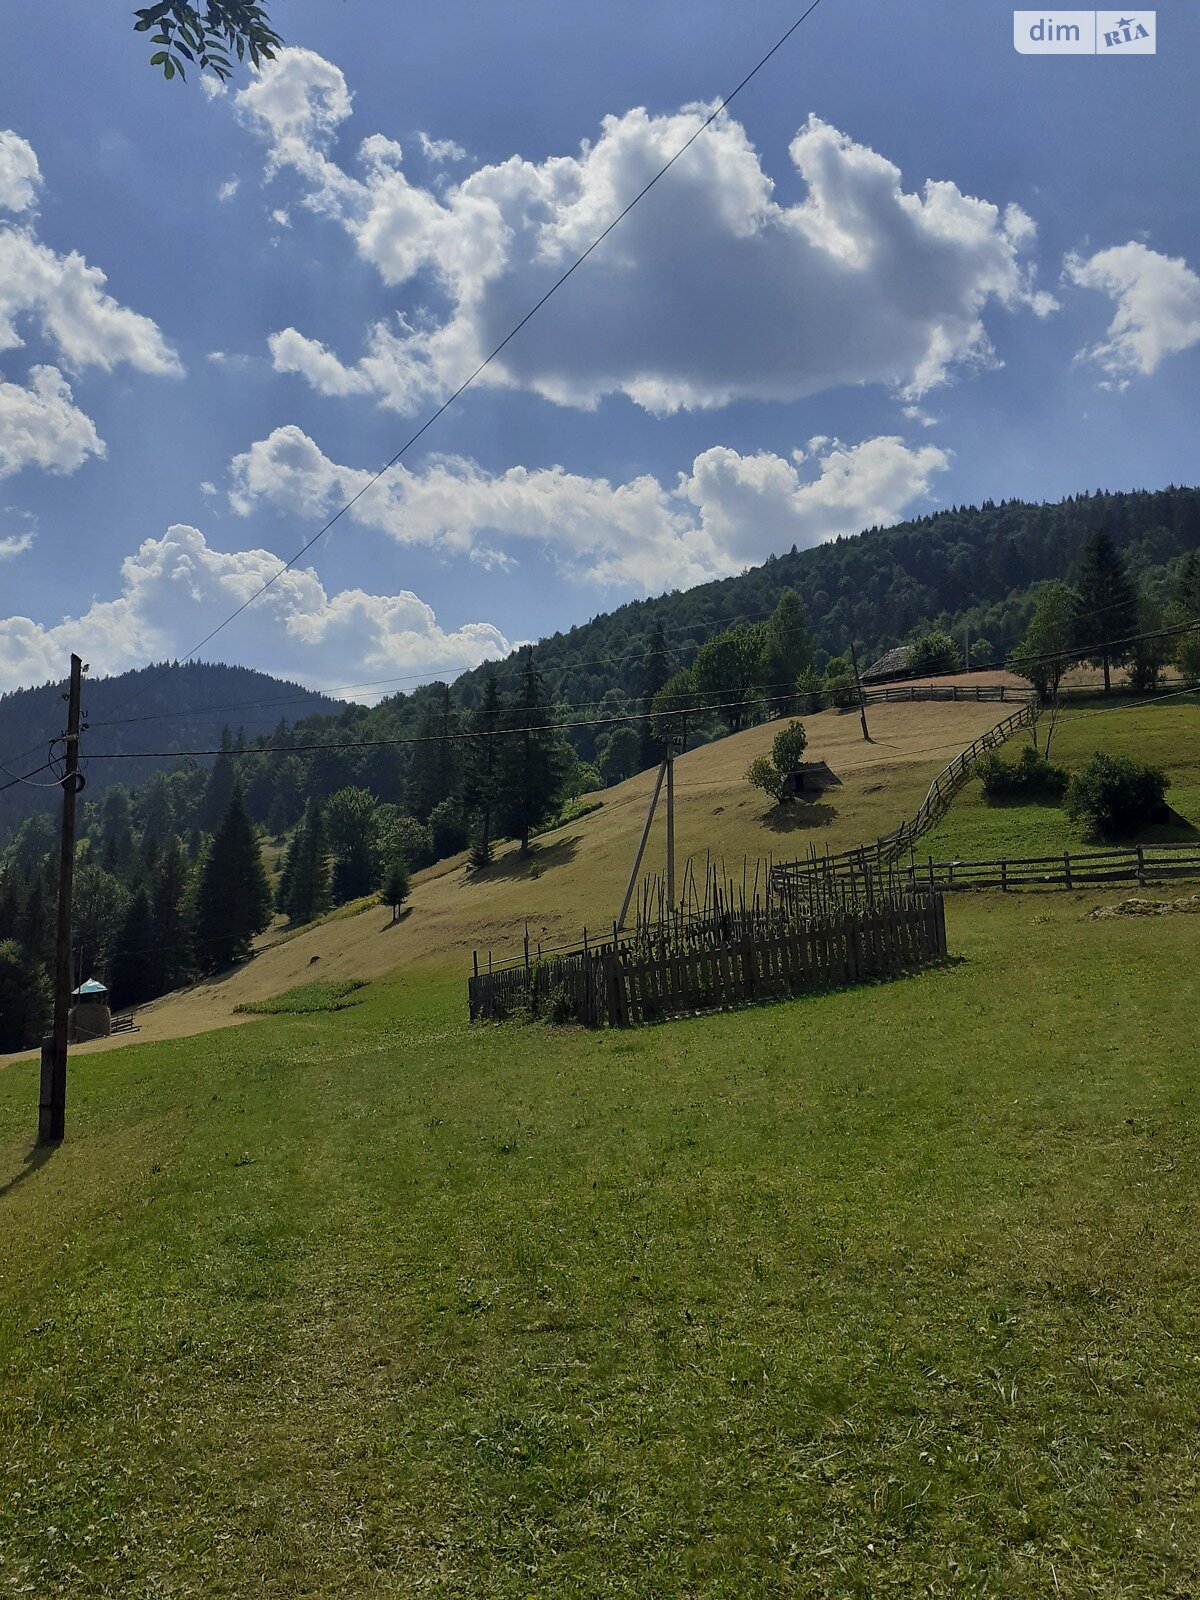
(792, 881)
(730, 961)
(1073, 869)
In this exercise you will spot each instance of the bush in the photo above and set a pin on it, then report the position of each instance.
(1114, 795)
(770, 773)
(395, 887)
(1029, 776)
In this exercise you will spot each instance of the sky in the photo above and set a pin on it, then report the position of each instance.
(909, 268)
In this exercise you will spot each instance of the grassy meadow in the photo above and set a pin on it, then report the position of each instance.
(1167, 735)
(890, 1292)
(883, 1293)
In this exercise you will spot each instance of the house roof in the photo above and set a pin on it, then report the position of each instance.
(91, 987)
(891, 664)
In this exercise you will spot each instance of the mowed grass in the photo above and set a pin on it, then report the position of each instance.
(891, 1292)
(1167, 735)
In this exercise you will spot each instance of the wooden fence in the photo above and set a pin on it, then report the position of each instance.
(1074, 869)
(721, 963)
(793, 881)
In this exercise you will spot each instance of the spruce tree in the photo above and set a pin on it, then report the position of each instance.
(304, 885)
(233, 902)
(531, 760)
(134, 962)
(172, 922)
(220, 785)
(434, 774)
(25, 998)
(481, 771)
(1108, 605)
(655, 674)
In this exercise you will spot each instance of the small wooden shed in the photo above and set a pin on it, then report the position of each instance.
(809, 780)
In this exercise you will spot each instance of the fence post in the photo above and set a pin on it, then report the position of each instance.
(1067, 869)
(1004, 876)
(1141, 865)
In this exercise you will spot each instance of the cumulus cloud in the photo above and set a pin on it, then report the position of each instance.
(711, 291)
(65, 302)
(175, 588)
(729, 510)
(66, 299)
(20, 176)
(40, 426)
(1157, 313)
(14, 544)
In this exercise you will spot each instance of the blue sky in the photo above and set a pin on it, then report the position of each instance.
(910, 268)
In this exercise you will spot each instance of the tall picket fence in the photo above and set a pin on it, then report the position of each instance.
(716, 964)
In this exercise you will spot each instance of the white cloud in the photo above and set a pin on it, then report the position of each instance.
(439, 150)
(729, 510)
(176, 588)
(292, 352)
(228, 189)
(40, 426)
(14, 544)
(710, 291)
(1157, 307)
(20, 176)
(64, 300)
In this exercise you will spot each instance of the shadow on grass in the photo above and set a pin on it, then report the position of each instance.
(541, 856)
(36, 1158)
(795, 817)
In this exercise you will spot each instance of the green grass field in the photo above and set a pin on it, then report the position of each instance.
(1167, 735)
(892, 1292)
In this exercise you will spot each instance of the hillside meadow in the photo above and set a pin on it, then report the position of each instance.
(879, 1293)
(576, 875)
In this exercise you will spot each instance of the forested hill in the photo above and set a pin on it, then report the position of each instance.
(977, 566)
(969, 566)
(182, 708)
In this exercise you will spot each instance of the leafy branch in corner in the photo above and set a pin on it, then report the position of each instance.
(204, 35)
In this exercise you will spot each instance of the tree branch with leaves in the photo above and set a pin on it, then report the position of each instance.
(205, 35)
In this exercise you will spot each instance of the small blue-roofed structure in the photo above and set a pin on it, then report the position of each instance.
(91, 990)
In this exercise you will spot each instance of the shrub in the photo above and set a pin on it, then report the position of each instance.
(395, 887)
(933, 652)
(1030, 775)
(1115, 795)
(765, 775)
(770, 773)
(809, 689)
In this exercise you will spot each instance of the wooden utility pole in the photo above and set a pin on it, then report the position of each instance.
(52, 1108)
(670, 828)
(641, 849)
(862, 703)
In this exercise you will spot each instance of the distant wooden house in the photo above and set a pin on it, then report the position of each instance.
(809, 780)
(891, 665)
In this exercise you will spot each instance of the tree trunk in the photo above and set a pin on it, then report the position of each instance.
(1107, 679)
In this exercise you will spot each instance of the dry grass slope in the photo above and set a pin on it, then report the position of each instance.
(577, 874)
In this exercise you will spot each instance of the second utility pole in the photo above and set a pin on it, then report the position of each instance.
(862, 701)
(52, 1108)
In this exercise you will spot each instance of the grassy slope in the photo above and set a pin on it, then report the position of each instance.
(1168, 735)
(577, 873)
(813, 1300)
